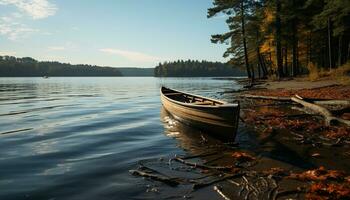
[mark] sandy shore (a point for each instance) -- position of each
(299, 83)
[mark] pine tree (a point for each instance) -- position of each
(236, 10)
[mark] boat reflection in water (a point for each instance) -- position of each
(190, 139)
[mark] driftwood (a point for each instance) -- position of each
(200, 155)
(205, 184)
(316, 107)
(196, 165)
(329, 118)
(250, 96)
(333, 102)
(161, 178)
(219, 191)
(288, 192)
(301, 109)
(316, 101)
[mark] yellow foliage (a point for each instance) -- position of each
(269, 17)
(342, 74)
(314, 73)
(268, 47)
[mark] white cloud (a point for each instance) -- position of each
(12, 26)
(13, 30)
(7, 53)
(37, 9)
(69, 46)
(132, 55)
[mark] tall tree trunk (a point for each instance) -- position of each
(348, 54)
(270, 63)
(285, 53)
(308, 56)
(330, 43)
(259, 63)
(246, 62)
(294, 48)
(297, 56)
(271, 72)
(263, 65)
(340, 50)
(278, 39)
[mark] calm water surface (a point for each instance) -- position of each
(76, 138)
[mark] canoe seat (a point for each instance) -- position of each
(202, 103)
(173, 93)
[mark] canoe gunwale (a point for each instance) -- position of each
(222, 104)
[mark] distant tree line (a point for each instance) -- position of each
(192, 68)
(28, 67)
(134, 71)
(281, 38)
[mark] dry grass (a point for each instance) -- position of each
(341, 74)
(314, 73)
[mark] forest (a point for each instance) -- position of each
(192, 68)
(136, 71)
(28, 67)
(274, 38)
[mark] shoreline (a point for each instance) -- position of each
(267, 161)
(326, 144)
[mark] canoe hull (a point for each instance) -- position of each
(219, 121)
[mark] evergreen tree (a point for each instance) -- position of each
(237, 11)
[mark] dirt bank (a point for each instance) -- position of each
(277, 114)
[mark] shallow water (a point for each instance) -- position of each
(76, 138)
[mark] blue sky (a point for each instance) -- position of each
(118, 33)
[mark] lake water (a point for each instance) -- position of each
(76, 138)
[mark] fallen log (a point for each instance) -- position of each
(329, 118)
(316, 101)
(333, 102)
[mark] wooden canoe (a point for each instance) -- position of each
(215, 117)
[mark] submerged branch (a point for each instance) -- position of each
(204, 184)
(201, 166)
(161, 178)
(219, 191)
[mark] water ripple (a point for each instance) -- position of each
(76, 138)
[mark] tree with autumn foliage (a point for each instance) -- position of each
(281, 38)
